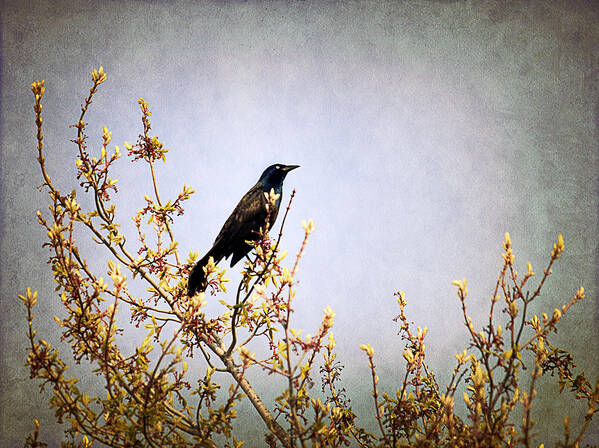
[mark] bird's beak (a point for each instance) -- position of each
(290, 167)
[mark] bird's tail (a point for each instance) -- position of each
(197, 279)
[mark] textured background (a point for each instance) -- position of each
(425, 130)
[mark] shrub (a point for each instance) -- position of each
(153, 399)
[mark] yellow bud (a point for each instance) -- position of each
(308, 226)
(513, 309)
(331, 344)
(447, 401)
(328, 312)
(557, 314)
(272, 197)
(507, 243)
(461, 357)
(558, 247)
(287, 278)
(199, 300)
(478, 377)
(368, 349)
(408, 356)
(467, 399)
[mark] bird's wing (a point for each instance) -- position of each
(244, 223)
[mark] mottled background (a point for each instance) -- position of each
(424, 131)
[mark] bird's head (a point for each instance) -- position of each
(275, 174)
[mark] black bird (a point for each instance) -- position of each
(243, 225)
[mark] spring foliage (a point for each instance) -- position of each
(153, 399)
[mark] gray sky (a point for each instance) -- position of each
(424, 131)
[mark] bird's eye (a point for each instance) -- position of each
(278, 167)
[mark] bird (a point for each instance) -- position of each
(244, 224)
